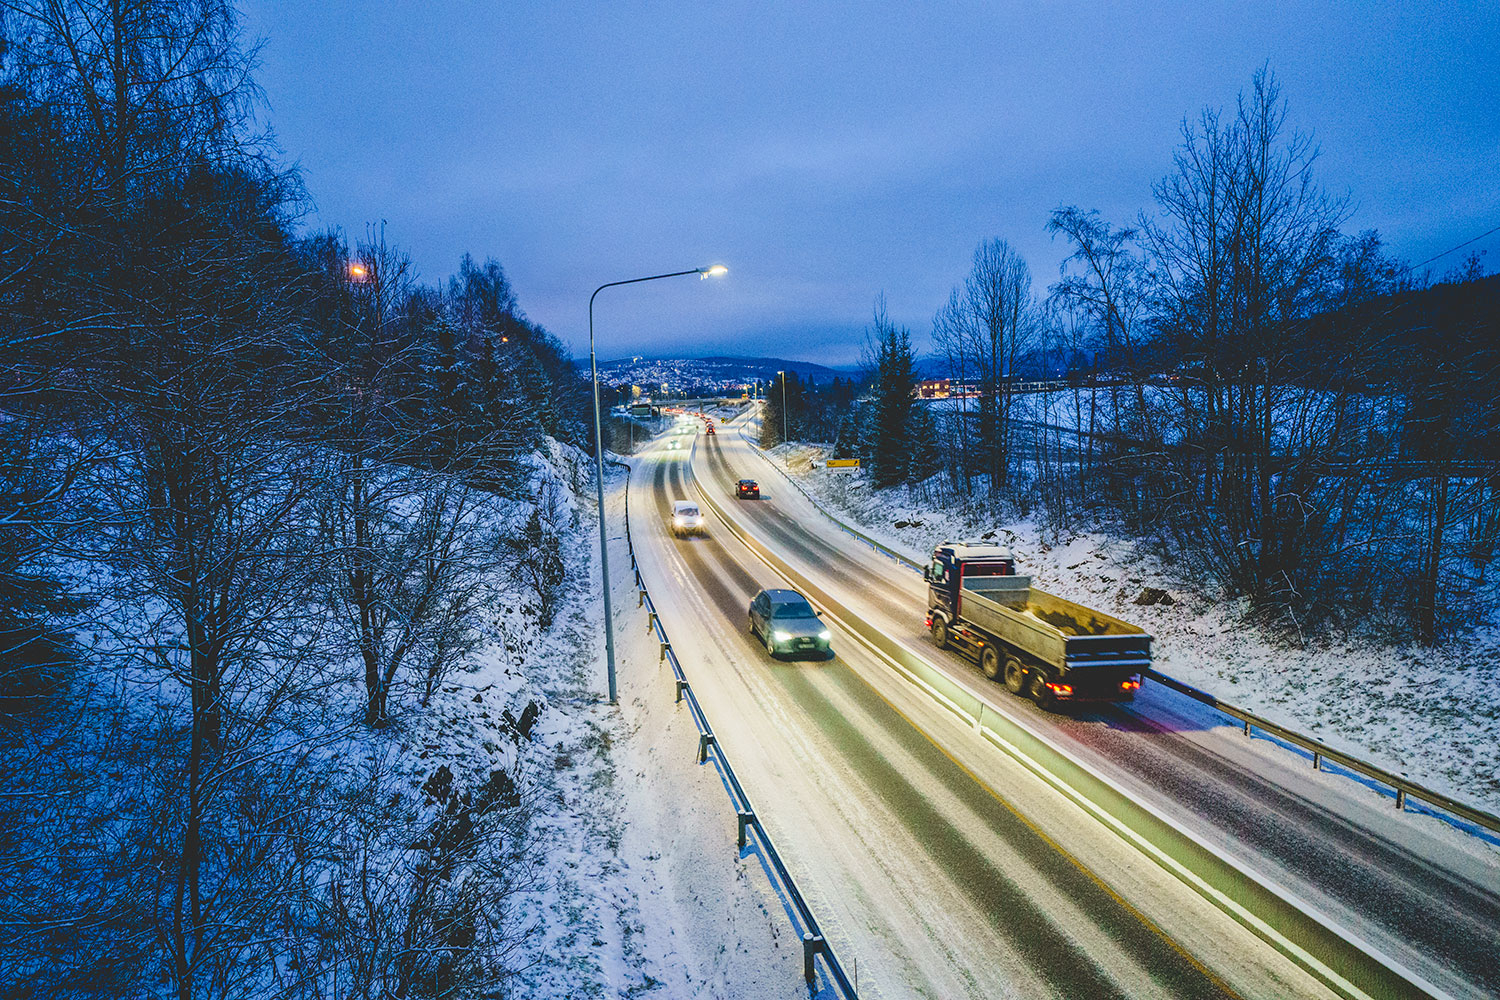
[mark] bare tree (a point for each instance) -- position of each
(435, 914)
(408, 553)
(988, 322)
(148, 85)
(1241, 261)
(536, 549)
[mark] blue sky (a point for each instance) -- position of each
(829, 152)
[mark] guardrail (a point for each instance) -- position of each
(813, 941)
(1315, 942)
(1404, 788)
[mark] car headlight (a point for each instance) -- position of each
(825, 635)
(782, 636)
(677, 521)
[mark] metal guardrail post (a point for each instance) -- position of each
(746, 817)
(650, 620)
(811, 945)
(704, 739)
(662, 656)
(680, 685)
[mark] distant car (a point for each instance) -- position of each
(687, 519)
(787, 624)
(709, 429)
(747, 488)
(673, 444)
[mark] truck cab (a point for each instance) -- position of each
(951, 563)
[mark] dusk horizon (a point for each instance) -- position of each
(828, 160)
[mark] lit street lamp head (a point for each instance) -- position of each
(716, 271)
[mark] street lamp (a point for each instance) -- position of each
(714, 271)
(784, 432)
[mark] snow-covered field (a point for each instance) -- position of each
(1432, 714)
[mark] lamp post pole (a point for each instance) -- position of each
(783, 406)
(609, 621)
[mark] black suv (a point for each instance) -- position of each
(747, 488)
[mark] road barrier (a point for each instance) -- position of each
(1404, 788)
(814, 943)
(1315, 942)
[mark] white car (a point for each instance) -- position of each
(687, 519)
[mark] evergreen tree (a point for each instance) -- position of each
(777, 423)
(894, 366)
(846, 443)
(926, 446)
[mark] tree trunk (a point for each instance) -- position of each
(1428, 584)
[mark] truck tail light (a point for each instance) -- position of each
(929, 621)
(1133, 684)
(1063, 689)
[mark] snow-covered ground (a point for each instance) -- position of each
(607, 855)
(646, 894)
(1432, 714)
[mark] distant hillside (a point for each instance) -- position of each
(711, 374)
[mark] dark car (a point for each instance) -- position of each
(747, 488)
(709, 429)
(787, 624)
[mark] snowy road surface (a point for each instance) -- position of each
(1427, 895)
(938, 865)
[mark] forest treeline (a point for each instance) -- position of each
(1296, 414)
(245, 470)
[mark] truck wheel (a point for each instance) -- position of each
(940, 633)
(1015, 675)
(1040, 694)
(989, 662)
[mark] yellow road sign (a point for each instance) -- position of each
(842, 463)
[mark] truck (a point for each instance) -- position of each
(1041, 646)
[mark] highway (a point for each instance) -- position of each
(1429, 897)
(938, 866)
